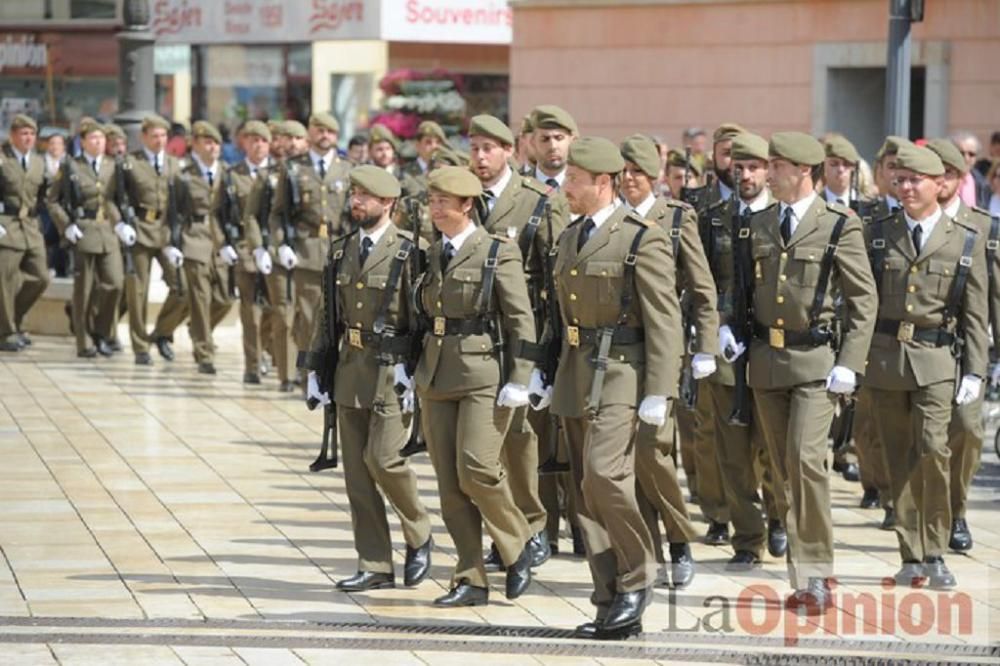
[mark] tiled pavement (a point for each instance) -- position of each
(152, 515)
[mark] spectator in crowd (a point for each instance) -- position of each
(974, 190)
(177, 143)
(984, 164)
(357, 149)
(993, 175)
(55, 155)
(696, 139)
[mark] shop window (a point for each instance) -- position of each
(350, 99)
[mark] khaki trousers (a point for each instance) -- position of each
(659, 488)
(208, 303)
(174, 309)
(868, 446)
(699, 426)
(520, 459)
(965, 441)
(97, 287)
(282, 320)
(24, 276)
(250, 319)
(556, 491)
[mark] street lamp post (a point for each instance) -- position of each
(902, 13)
(136, 96)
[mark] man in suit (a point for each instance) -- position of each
(804, 255)
(24, 274)
(370, 270)
(620, 360)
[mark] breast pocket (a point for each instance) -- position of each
(894, 275)
(604, 280)
(765, 257)
(940, 275)
(469, 282)
(804, 265)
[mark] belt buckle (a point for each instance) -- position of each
(573, 336)
(151, 215)
(905, 332)
(439, 325)
(99, 218)
(354, 338)
(776, 337)
(323, 231)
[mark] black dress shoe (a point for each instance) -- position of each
(364, 581)
(10, 346)
(464, 594)
(206, 369)
(418, 564)
(115, 345)
(143, 358)
(849, 471)
(251, 378)
(889, 520)
(681, 565)
(492, 561)
(911, 574)
(519, 574)
(777, 538)
(23, 339)
(163, 346)
(579, 548)
(103, 348)
(539, 546)
(286, 387)
(961, 537)
(815, 599)
(587, 630)
(870, 499)
(938, 575)
(717, 534)
(89, 352)
(743, 560)
(626, 610)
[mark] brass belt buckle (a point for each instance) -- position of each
(573, 336)
(23, 213)
(151, 215)
(776, 337)
(354, 338)
(439, 325)
(905, 332)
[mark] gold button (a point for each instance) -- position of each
(576, 320)
(360, 305)
(913, 269)
(439, 304)
(912, 288)
(779, 322)
(483, 347)
(782, 277)
(784, 255)
(572, 297)
(439, 342)
(574, 272)
(604, 272)
(909, 307)
(360, 285)
(812, 256)
(780, 299)
(622, 357)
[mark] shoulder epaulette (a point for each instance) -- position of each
(499, 238)
(404, 233)
(535, 186)
(632, 217)
(981, 211)
(837, 208)
(677, 203)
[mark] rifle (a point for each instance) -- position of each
(696, 196)
(292, 201)
(416, 443)
(72, 200)
(229, 218)
(124, 204)
(742, 307)
(176, 232)
(264, 220)
(326, 361)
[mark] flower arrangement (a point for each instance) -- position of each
(412, 96)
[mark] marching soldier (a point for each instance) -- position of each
(371, 270)
(24, 274)
(681, 175)
(554, 131)
(429, 138)
(524, 153)
(803, 254)
(659, 489)
(81, 202)
(620, 359)
(475, 297)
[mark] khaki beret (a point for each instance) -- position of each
(949, 153)
(153, 121)
(838, 146)
(203, 128)
(550, 116)
(444, 156)
(919, 159)
(378, 181)
(491, 127)
(274, 126)
(796, 147)
(596, 155)
(21, 120)
(91, 125)
(431, 128)
(891, 146)
(380, 133)
(726, 132)
(326, 120)
(292, 128)
(114, 131)
(456, 181)
(749, 146)
(257, 128)
(527, 127)
(676, 158)
(641, 150)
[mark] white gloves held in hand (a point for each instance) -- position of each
(539, 395)
(653, 410)
(262, 259)
(703, 365)
(513, 395)
(286, 256)
(401, 379)
(228, 255)
(3, 232)
(73, 234)
(174, 256)
(968, 389)
(729, 347)
(125, 233)
(312, 390)
(841, 380)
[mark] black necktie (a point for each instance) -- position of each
(446, 256)
(841, 201)
(321, 165)
(553, 183)
(585, 232)
(211, 180)
(918, 238)
(94, 165)
(156, 164)
(366, 249)
(786, 225)
(24, 162)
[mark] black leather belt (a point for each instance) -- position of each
(576, 336)
(441, 326)
(905, 331)
(779, 338)
(385, 343)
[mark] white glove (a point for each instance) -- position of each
(73, 234)
(703, 365)
(729, 347)
(312, 390)
(538, 389)
(968, 389)
(286, 256)
(403, 384)
(995, 375)
(653, 410)
(174, 256)
(3, 232)
(513, 395)
(262, 258)
(841, 380)
(126, 234)
(228, 255)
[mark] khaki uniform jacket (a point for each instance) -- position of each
(243, 184)
(589, 286)
(320, 213)
(915, 289)
(19, 190)
(202, 232)
(785, 278)
(98, 192)
(266, 178)
(983, 218)
(455, 363)
(148, 193)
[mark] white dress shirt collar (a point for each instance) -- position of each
(458, 240)
(205, 169)
(544, 178)
(156, 158)
(424, 166)
(644, 206)
(325, 159)
(90, 160)
(601, 216)
(928, 223)
(994, 206)
(799, 209)
(375, 235)
(755, 206)
(725, 192)
(497, 189)
(832, 197)
(951, 210)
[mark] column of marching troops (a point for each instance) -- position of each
(560, 311)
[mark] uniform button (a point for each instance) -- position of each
(780, 299)
(439, 304)
(576, 320)
(779, 322)
(574, 272)
(912, 288)
(440, 341)
(572, 297)
(360, 305)
(909, 307)
(913, 269)
(483, 347)
(782, 277)
(604, 272)
(621, 358)
(360, 285)
(784, 255)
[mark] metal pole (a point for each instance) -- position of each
(897, 70)
(136, 92)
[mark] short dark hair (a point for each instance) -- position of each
(995, 138)
(357, 140)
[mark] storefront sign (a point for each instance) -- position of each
(447, 21)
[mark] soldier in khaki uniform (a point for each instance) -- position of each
(514, 207)
(308, 202)
(659, 488)
(933, 287)
(371, 273)
(88, 225)
(475, 298)
(620, 359)
(965, 431)
(796, 365)
(429, 138)
(149, 173)
(24, 274)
